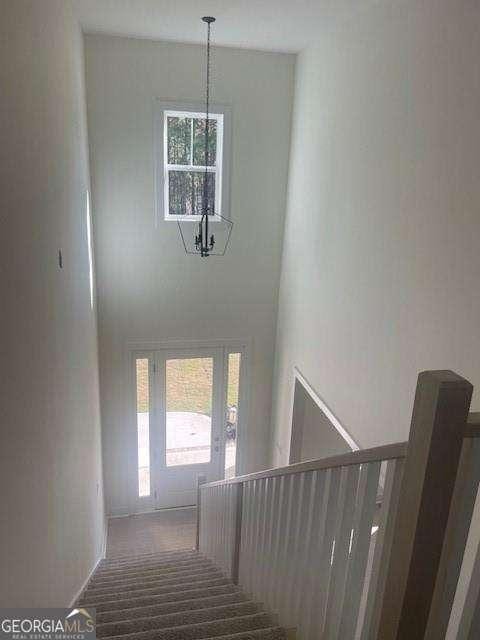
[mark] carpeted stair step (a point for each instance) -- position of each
(177, 595)
(171, 597)
(156, 566)
(146, 563)
(172, 583)
(93, 600)
(130, 590)
(177, 619)
(135, 613)
(211, 629)
(148, 577)
(272, 633)
(125, 561)
(176, 556)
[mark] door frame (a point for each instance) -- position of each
(135, 349)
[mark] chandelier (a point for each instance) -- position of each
(211, 235)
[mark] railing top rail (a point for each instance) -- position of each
(363, 456)
(473, 425)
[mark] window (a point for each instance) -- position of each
(233, 392)
(183, 167)
(143, 426)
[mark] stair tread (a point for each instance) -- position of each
(146, 556)
(170, 607)
(153, 566)
(156, 590)
(195, 631)
(145, 579)
(270, 633)
(167, 582)
(178, 618)
(147, 560)
(170, 597)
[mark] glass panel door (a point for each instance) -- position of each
(187, 428)
(188, 417)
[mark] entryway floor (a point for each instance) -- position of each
(165, 530)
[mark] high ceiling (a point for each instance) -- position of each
(273, 25)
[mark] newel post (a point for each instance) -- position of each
(237, 532)
(200, 480)
(439, 417)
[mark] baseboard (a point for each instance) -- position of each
(105, 536)
(103, 554)
(79, 592)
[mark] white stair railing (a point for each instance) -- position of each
(350, 547)
(455, 613)
(305, 538)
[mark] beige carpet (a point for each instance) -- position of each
(174, 595)
(166, 530)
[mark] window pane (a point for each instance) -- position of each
(179, 140)
(199, 126)
(189, 410)
(233, 386)
(185, 192)
(143, 427)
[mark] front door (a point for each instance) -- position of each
(188, 431)
(187, 418)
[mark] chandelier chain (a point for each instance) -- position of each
(207, 123)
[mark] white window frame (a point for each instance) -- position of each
(222, 115)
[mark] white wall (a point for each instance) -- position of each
(148, 288)
(314, 431)
(52, 521)
(315, 436)
(381, 258)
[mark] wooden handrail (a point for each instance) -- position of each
(439, 419)
(363, 456)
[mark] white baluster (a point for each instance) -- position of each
(317, 511)
(343, 538)
(369, 616)
(323, 556)
(362, 534)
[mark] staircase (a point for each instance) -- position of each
(175, 595)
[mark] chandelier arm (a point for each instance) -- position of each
(228, 238)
